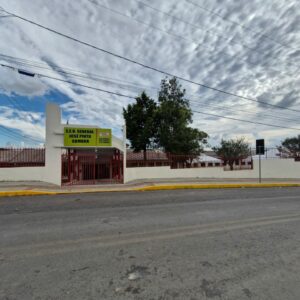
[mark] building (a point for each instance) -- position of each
(84, 154)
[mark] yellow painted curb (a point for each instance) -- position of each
(25, 193)
(43, 193)
(216, 186)
(151, 188)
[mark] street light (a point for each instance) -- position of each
(26, 73)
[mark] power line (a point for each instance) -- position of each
(75, 73)
(16, 104)
(209, 31)
(61, 70)
(4, 133)
(180, 36)
(74, 83)
(20, 107)
(234, 110)
(24, 136)
(246, 121)
(133, 97)
(214, 13)
(15, 135)
(72, 72)
(149, 67)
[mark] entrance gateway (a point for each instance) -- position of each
(99, 164)
(85, 154)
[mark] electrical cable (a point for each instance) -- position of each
(148, 66)
(98, 78)
(15, 135)
(230, 110)
(61, 70)
(265, 36)
(246, 121)
(209, 31)
(133, 97)
(231, 41)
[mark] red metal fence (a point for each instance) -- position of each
(22, 157)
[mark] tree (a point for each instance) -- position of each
(175, 116)
(141, 123)
(232, 150)
(290, 147)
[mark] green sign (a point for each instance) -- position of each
(87, 137)
(104, 137)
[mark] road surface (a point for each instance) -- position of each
(184, 244)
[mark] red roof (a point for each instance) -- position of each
(151, 155)
(22, 155)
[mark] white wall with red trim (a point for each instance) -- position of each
(271, 169)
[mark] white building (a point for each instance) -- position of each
(86, 154)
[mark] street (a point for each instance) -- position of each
(181, 244)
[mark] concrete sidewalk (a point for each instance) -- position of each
(42, 188)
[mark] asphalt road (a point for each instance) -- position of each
(186, 244)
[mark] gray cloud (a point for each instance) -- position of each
(289, 99)
(13, 83)
(221, 62)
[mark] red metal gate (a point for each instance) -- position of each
(93, 167)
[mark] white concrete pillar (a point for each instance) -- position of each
(54, 139)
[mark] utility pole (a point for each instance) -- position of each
(259, 165)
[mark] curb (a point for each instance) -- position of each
(216, 186)
(43, 193)
(25, 193)
(152, 188)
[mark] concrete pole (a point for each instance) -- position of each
(53, 141)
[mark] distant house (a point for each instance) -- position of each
(155, 158)
(158, 158)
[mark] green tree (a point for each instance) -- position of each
(141, 123)
(290, 147)
(175, 116)
(231, 150)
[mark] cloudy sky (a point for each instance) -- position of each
(254, 53)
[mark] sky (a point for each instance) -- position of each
(249, 48)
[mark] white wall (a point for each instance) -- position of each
(22, 174)
(52, 171)
(54, 144)
(273, 168)
(276, 168)
(280, 168)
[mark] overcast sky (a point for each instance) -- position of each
(260, 60)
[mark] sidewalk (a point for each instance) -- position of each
(41, 188)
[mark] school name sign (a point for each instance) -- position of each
(87, 137)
